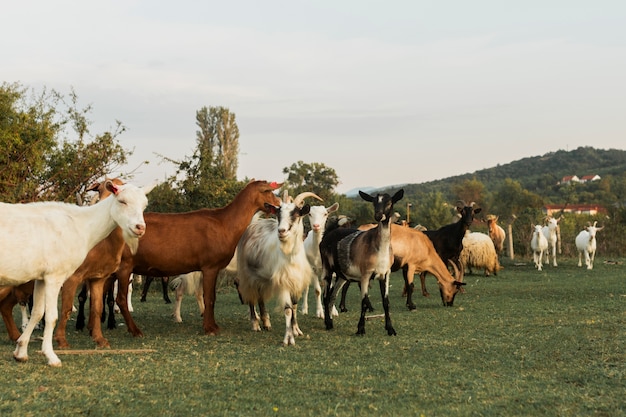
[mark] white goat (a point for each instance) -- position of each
(479, 251)
(538, 244)
(586, 244)
(190, 283)
(271, 262)
(317, 216)
(48, 241)
(550, 231)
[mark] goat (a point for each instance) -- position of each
(550, 231)
(201, 240)
(48, 241)
(360, 256)
(538, 244)
(479, 252)
(190, 283)
(448, 240)
(496, 233)
(586, 244)
(271, 262)
(318, 216)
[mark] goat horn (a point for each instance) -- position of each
(461, 202)
(286, 198)
(472, 204)
(457, 274)
(299, 200)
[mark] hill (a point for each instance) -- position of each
(539, 174)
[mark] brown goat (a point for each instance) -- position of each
(496, 233)
(202, 240)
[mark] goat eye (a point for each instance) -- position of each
(123, 202)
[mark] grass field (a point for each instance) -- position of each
(524, 343)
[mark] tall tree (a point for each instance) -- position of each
(315, 177)
(218, 142)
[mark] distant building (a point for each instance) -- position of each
(590, 209)
(570, 178)
(589, 178)
(573, 178)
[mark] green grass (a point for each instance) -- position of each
(524, 343)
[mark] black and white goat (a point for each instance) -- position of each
(271, 262)
(360, 256)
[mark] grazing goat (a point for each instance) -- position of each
(448, 240)
(551, 232)
(271, 262)
(538, 244)
(496, 233)
(586, 244)
(190, 283)
(361, 256)
(317, 216)
(47, 241)
(479, 252)
(201, 240)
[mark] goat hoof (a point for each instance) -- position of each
(391, 332)
(411, 307)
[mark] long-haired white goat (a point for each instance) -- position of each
(271, 262)
(586, 244)
(48, 241)
(317, 216)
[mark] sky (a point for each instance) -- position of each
(384, 92)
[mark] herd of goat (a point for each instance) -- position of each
(50, 248)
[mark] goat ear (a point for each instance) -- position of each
(114, 189)
(478, 210)
(270, 209)
(93, 187)
(397, 196)
(459, 284)
(332, 208)
(366, 196)
(305, 210)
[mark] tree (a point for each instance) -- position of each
(49, 151)
(218, 142)
(209, 177)
(432, 211)
(315, 177)
(470, 190)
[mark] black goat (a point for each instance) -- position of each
(360, 256)
(448, 242)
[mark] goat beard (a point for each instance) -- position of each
(132, 242)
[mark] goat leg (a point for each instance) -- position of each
(384, 292)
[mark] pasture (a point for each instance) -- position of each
(522, 343)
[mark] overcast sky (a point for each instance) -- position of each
(385, 92)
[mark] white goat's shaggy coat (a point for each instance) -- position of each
(48, 241)
(538, 244)
(479, 252)
(272, 263)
